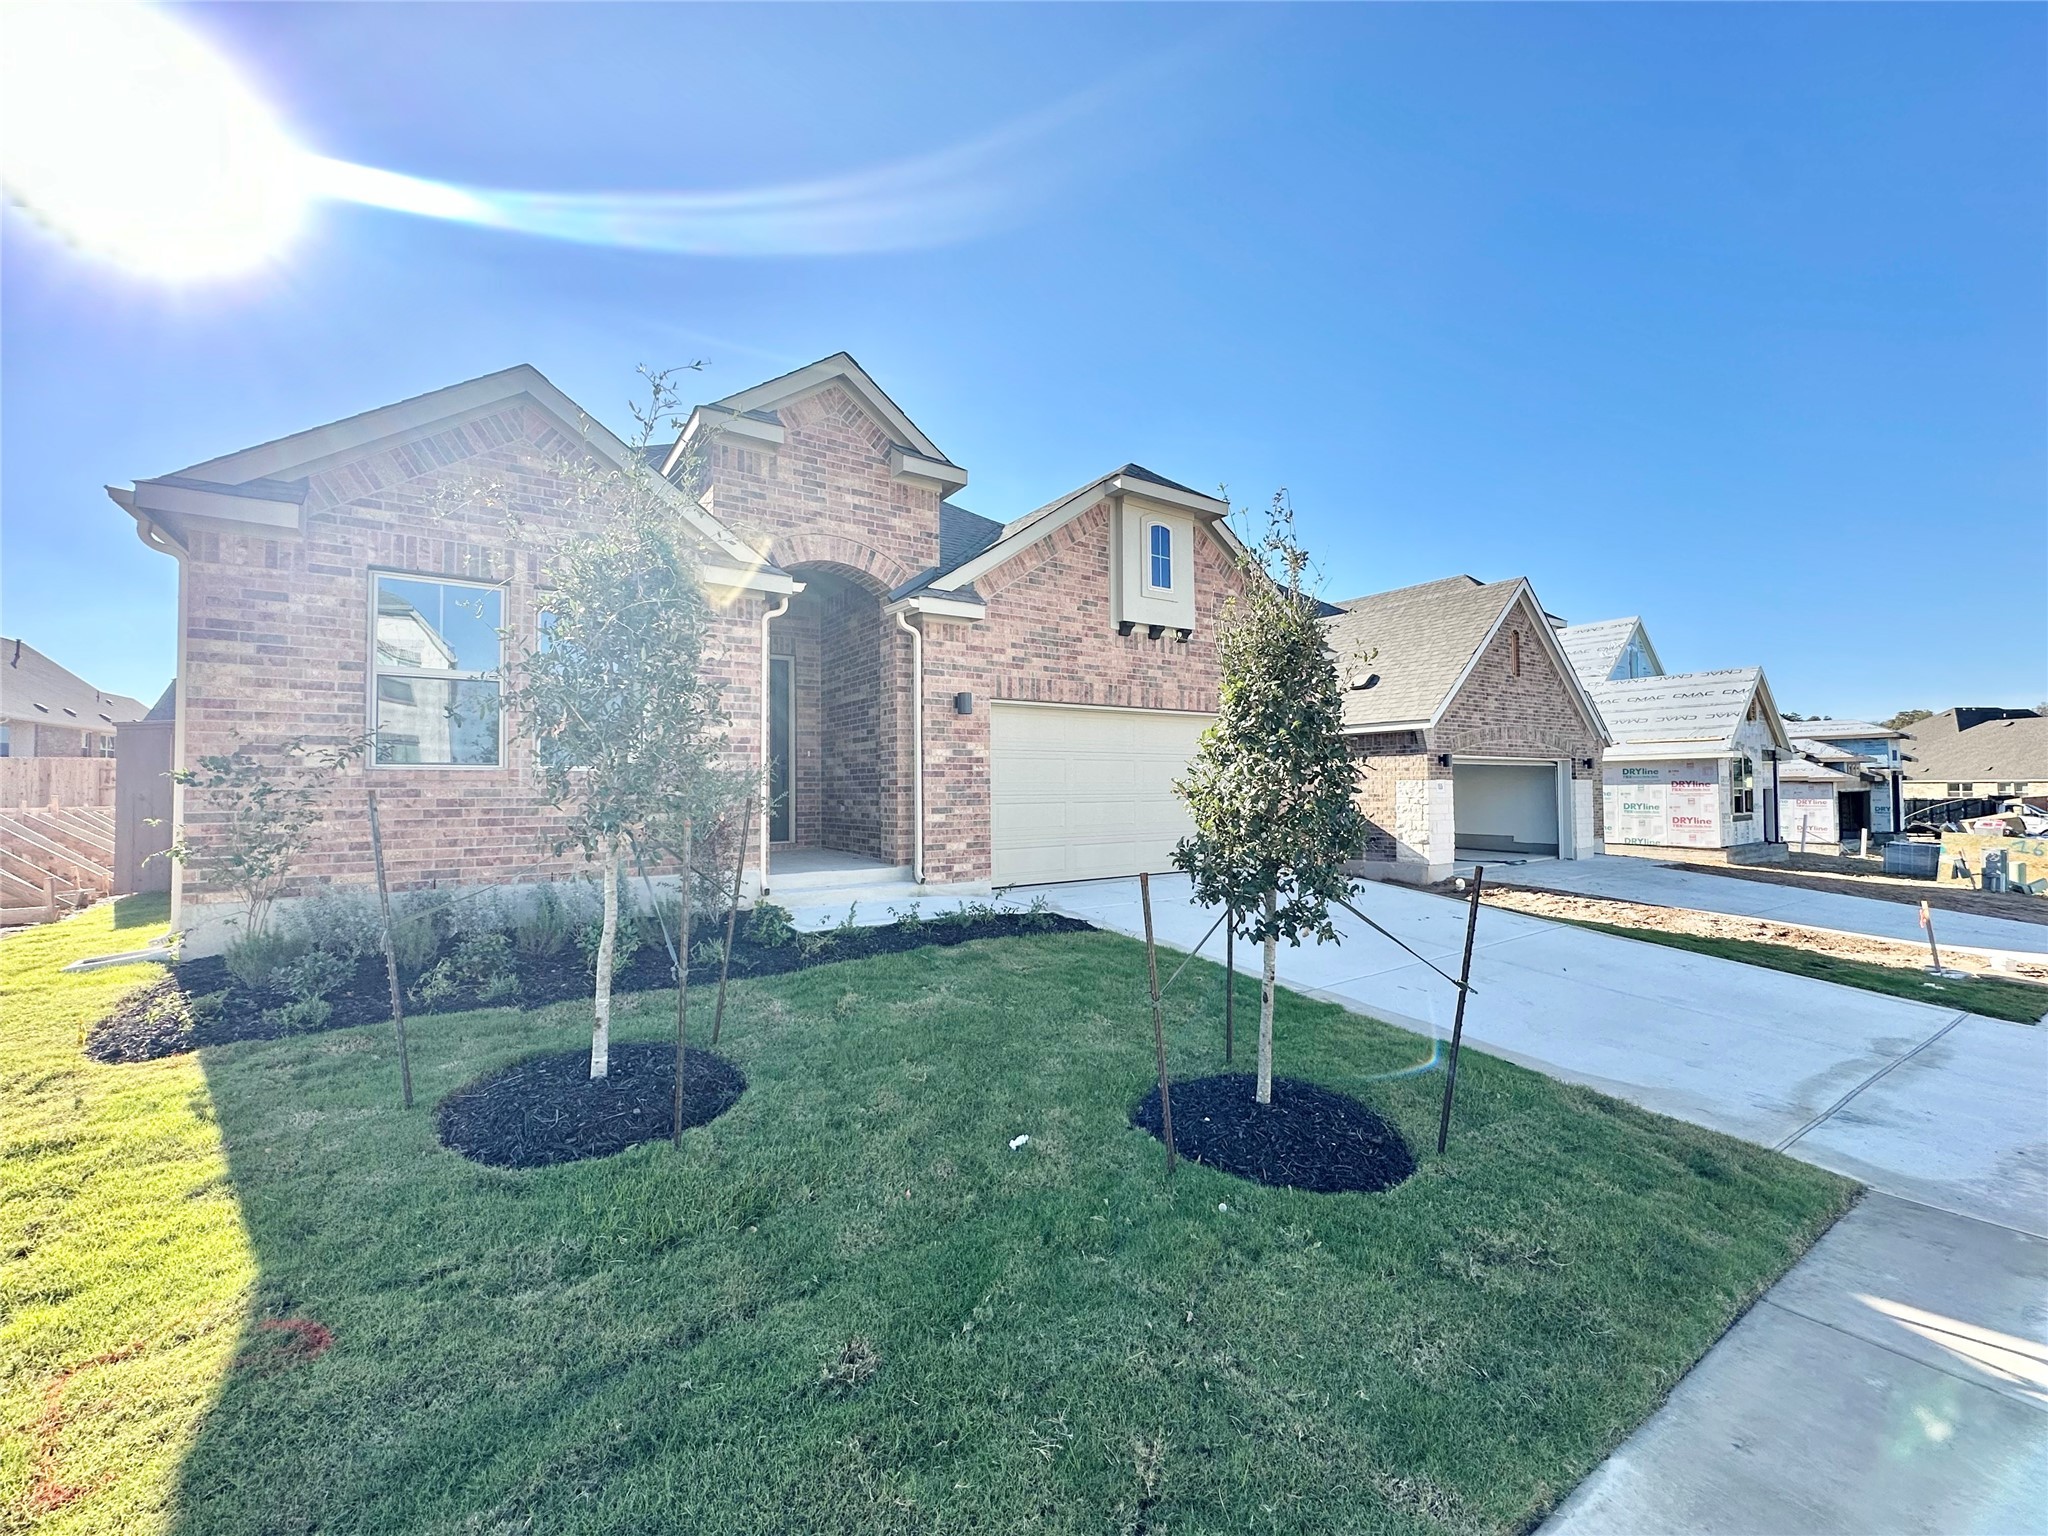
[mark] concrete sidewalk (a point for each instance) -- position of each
(1630, 879)
(1884, 1383)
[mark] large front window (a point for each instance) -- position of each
(436, 672)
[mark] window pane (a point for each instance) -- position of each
(1162, 555)
(437, 625)
(425, 720)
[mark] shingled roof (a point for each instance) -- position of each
(1423, 641)
(35, 688)
(1992, 751)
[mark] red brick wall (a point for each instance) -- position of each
(1384, 759)
(1049, 638)
(829, 480)
(277, 646)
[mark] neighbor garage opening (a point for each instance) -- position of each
(1505, 808)
(1080, 794)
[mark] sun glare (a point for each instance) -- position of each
(128, 136)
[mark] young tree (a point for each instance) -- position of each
(614, 692)
(263, 807)
(1270, 786)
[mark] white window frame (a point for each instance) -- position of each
(1152, 586)
(1741, 772)
(374, 671)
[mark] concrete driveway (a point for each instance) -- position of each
(1631, 879)
(1897, 1378)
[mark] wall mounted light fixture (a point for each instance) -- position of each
(1443, 759)
(963, 703)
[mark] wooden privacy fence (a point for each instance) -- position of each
(35, 783)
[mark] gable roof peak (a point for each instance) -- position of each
(761, 400)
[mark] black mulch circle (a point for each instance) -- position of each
(548, 1109)
(1307, 1138)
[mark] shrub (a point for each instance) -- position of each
(543, 930)
(769, 925)
(909, 918)
(480, 963)
(625, 945)
(342, 921)
(415, 937)
(301, 1016)
(1039, 916)
(312, 975)
(255, 959)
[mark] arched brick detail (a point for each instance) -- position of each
(873, 568)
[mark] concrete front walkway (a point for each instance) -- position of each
(1865, 1393)
(1631, 879)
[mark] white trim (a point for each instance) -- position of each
(1168, 495)
(916, 744)
(1385, 728)
(1027, 530)
(752, 580)
(940, 607)
(915, 467)
(154, 496)
(768, 615)
(1561, 782)
(1114, 709)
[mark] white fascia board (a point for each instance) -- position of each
(163, 540)
(1166, 495)
(750, 579)
(708, 420)
(1779, 735)
(904, 465)
(1384, 727)
(1669, 751)
(157, 499)
(940, 607)
(1548, 639)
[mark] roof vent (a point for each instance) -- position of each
(1363, 680)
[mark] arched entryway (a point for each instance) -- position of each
(838, 722)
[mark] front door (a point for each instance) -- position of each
(781, 740)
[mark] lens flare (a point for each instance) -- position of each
(135, 141)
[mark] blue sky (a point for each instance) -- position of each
(1734, 317)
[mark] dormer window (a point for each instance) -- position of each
(1159, 543)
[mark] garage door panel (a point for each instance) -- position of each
(1506, 807)
(1080, 794)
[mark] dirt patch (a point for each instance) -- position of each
(283, 1342)
(548, 1109)
(1853, 877)
(199, 1003)
(47, 1492)
(1902, 953)
(1308, 1138)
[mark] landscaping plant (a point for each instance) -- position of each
(1270, 784)
(615, 693)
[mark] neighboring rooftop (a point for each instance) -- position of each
(1821, 751)
(2006, 747)
(1845, 730)
(1421, 641)
(1681, 710)
(1595, 649)
(35, 688)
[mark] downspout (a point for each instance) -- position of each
(916, 745)
(767, 615)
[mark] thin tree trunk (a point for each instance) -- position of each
(1266, 1008)
(601, 1033)
(682, 994)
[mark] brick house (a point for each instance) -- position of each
(928, 693)
(1473, 736)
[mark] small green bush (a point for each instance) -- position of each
(769, 925)
(255, 959)
(415, 935)
(344, 921)
(481, 963)
(301, 1016)
(312, 975)
(543, 930)
(625, 944)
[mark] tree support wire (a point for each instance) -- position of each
(1462, 986)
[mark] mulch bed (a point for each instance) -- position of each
(199, 1003)
(548, 1109)
(1308, 1138)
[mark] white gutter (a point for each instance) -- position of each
(916, 744)
(766, 725)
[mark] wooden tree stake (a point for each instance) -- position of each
(390, 952)
(1229, 987)
(1443, 1125)
(732, 918)
(682, 993)
(1158, 1028)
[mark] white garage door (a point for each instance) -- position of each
(1077, 794)
(1505, 807)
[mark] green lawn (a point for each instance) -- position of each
(2022, 1002)
(1063, 1339)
